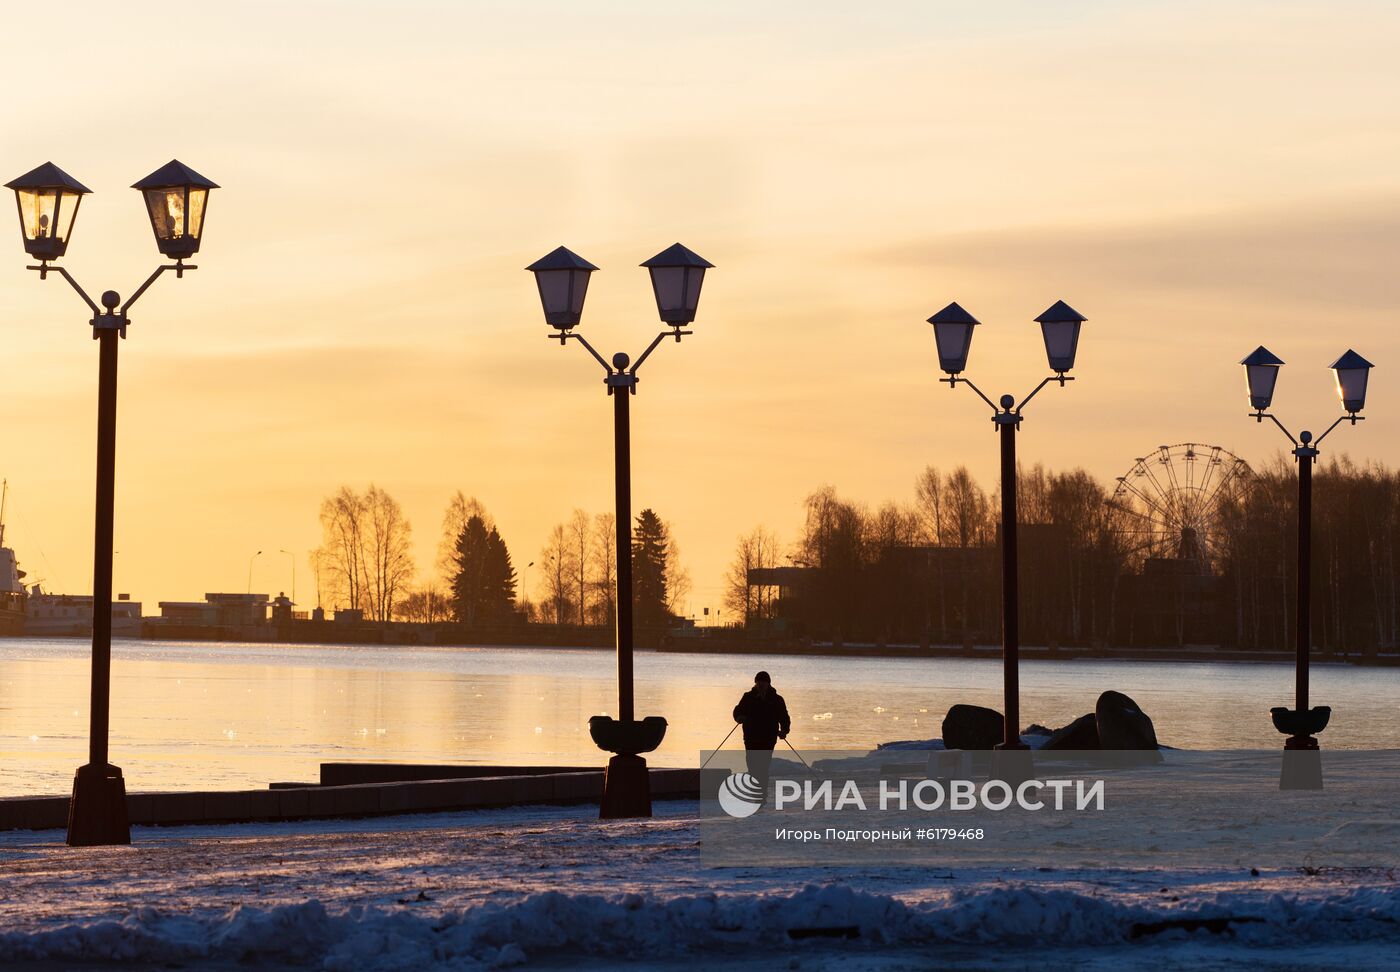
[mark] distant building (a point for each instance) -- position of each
(282, 609)
(218, 610)
(1173, 601)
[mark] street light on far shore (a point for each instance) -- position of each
(953, 329)
(1302, 759)
(250, 570)
(562, 278)
(292, 557)
(47, 198)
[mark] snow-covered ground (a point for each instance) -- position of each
(553, 887)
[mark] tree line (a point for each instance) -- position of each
(921, 570)
(365, 563)
(928, 570)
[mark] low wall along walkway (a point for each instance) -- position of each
(390, 789)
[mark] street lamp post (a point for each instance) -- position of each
(176, 199)
(953, 328)
(676, 276)
(1302, 766)
(250, 570)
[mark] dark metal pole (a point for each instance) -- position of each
(623, 461)
(1010, 595)
(108, 338)
(1304, 615)
(97, 813)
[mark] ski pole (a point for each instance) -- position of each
(721, 744)
(798, 755)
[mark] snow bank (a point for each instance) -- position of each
(495, 935)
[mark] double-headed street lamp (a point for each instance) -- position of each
(676, 276)
(1302, 759)
(952, 331)
(176, 199)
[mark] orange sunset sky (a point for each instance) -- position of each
(1197, 178)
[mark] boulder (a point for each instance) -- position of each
(1081, 734)
(1122, 725)
(972, 727)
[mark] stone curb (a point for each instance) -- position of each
(356, 800)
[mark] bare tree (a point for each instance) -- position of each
(460, 509)
(930, 498)
(556, 575)
(605, 571)
(428, 604)
(967, 512)
(581, 559)
(677, 577)
(389, 549)
(757, 550)
(341, 555)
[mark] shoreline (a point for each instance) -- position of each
(715, 646)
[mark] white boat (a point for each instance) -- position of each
(12, 593)
(71, 614)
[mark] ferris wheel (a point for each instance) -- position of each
(1169, 503)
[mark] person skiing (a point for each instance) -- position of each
(764, 716)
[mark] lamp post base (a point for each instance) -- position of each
(1302, 764)
(1012, 764)
(626, 789)
(97, 812)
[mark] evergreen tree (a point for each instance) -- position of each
(469, 578)
(500, 578)
(649, 546)
(483, 585)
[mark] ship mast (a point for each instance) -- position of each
(4, 495)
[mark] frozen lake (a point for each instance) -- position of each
(216, 715)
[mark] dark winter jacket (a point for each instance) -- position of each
(763, 718)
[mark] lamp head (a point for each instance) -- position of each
(562, 277)
(952, 333)
(1059, 327)
(1261, 375)
(177, 199)
(1352, 372)
(48, 200)
(676, 276)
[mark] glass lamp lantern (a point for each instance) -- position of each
(1352, 373)
(177, 199)
(676, 276)
(1059, 326)
(48, 200)
(1261, 375)
(952, 332)
(562, 277)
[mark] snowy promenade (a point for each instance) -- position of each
(551, 887)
